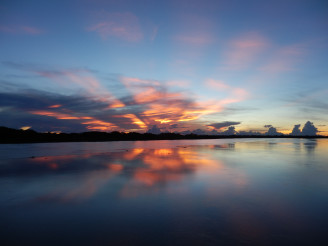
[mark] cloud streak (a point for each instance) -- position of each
(124, 26)
(23, 29)
(223, 124)
(285, 59)
(244, 50)
(137, 103)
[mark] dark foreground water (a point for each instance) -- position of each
(196, 192)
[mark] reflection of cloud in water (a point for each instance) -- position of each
(310, 146)
(254, 193)
(82, 176)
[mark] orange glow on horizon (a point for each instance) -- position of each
(24, 128)
(99, 125)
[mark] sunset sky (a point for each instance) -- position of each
(74, 66)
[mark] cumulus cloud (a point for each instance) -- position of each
(296, 130)
(309, 129)
(154, 130)
(272, 131)
(230, 131)
(223, 124)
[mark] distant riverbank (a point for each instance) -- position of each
(10, 135)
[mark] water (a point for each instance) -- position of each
(194, 192)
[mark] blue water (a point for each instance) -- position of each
(184, 192)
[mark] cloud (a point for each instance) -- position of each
(285, 59)
(296, 130)
(30, 30)
(194, 39)
(223, 124)
(194, 30)
(154, 130)
(81, 98)
(244, 50)
(73, 79)
(235, 94)
(124, 26)
(309, 129)
(272, 131)
(230, 131)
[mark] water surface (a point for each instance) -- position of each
(183, 192)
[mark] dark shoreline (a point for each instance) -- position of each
(11, 136)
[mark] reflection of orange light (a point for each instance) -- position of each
(53, 165)
(194, 158)
(151, 178)
(133, 153)
(163, 151)
(115, 167)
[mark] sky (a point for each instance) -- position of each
(96, 65)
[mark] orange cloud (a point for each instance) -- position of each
(60, 116)
(99, 125)
(135, 120)
(55, 106)
(92, 123)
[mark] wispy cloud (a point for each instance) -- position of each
(223, 124)
(81, 77)
(194, 30)
(30, 30)
(244, 50)
(194, 39)
(124, 26)
(285, 59)
(136, 104)
(234, 94)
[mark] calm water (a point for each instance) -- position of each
(195, 192)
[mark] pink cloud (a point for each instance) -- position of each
(235, 94)
(194, 30)
(21, 30)
(244, 50)
(285, 59)
(154, 34)
(86, 81)
(124, 26)
(179, 83)
(194, 39)
(217, 84)
(31, 30)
